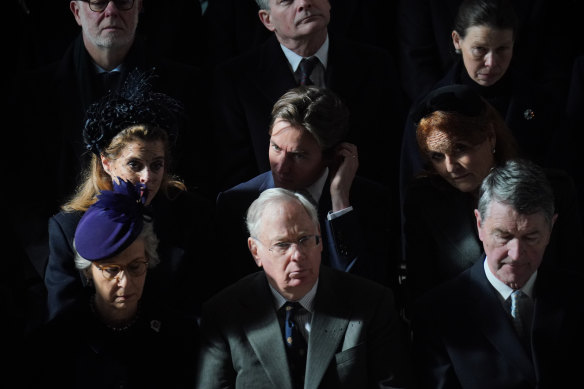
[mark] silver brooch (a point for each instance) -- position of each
(155, 325)
(529, 114)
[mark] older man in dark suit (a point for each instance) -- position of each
(512, 320)
(298, 324)
(307, 153)
(246, 87)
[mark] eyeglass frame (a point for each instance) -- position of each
(122, 268)
(274, 247)
(90, 3)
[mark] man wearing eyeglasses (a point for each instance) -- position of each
(308, 153)
(298, 324)
(51, 103)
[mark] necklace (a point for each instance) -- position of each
(115, 328)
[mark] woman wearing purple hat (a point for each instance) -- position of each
(110, 340)
(130, 134)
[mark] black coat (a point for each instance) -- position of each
(77, 351)
(464, 338)
(528, 108)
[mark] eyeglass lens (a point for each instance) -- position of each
(100, 5)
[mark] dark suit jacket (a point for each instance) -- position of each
(365, 235)
(356, 338)
(463, 336)
(441, 238)
(246, 88)
(180, 225)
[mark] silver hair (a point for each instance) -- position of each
(521, 184)
(273, 196)
(150, 247)
(263, 4)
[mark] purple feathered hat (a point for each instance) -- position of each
(113, 223)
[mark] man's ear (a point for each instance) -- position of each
(266, 19)
(479, 224)
(252, 245)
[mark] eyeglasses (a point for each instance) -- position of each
(135, 269)
(101, 5)
(306, 242)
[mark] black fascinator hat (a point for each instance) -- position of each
(452, 98)
(133, 104)
(112, 223)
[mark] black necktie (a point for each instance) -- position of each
(110, 80)
(306, 67)
(295, 344)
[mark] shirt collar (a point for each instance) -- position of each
(294, 59)
(503, 289)
(307, 301)
(317, 187)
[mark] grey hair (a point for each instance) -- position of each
(263, 4)
(150, 246)
(521, 184)
(271, 196)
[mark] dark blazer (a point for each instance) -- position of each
(528, 108)
(181, 226)
(246, 88)
(364, 235)
(356, 337)
(441, 238)
(463, 336)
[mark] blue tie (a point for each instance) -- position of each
(520, 313)
(295, 344)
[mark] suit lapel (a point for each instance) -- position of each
(491, 318)
(328, 328)
(262, 329)
(273, 74)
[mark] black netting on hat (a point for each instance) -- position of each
(133, 104)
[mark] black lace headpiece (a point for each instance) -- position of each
(451, 98)
(133, 104)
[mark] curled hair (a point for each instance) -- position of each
(318, 110)
(496, 14)
(273, 196)
(95, 178)
(518, 183)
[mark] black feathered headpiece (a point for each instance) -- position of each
(133, 104)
